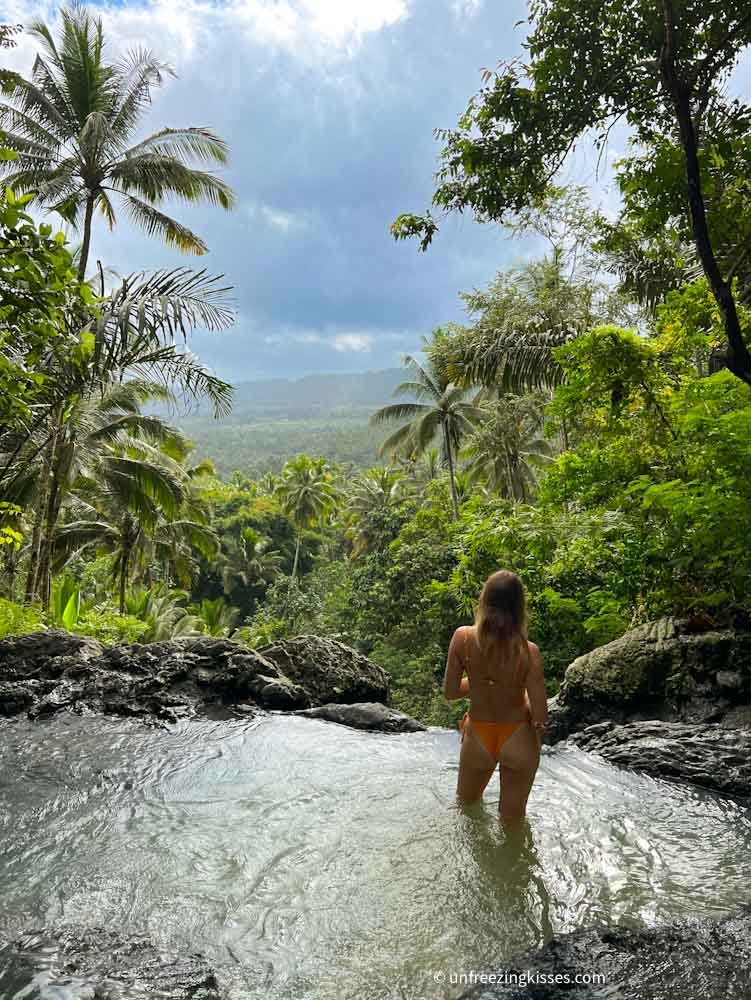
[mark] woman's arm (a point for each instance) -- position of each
(455, 684)
(536, 693)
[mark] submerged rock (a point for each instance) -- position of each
(369, 715)
(676, 670)
(89, 963)
(44, 672)
(702, 754)
(695, 960)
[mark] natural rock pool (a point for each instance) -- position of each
(306, 860)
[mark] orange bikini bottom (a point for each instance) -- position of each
(492, 735)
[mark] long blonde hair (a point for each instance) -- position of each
(501, 619)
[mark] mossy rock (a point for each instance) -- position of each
(628, 670)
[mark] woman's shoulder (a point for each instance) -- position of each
(462, 635)
(535, 656)
(466, 632)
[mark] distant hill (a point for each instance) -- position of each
(274, 419)
(310, 396)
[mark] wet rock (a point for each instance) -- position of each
(46, 672)
(328, 670)
(671, 669)
(695, 960)
(707, 755)
(280, 693)
(84, 963)
(368, 715)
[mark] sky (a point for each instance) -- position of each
(328, 107)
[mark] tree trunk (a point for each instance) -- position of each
(85, 245)
(44, 579)
(297, 555)
(739, 358)
(452, 480)
(124, 575)
(42, 501)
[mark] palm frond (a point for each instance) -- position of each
(185, 144)
(402, 441)
(154, 176)
(139, 71)
(156, 223)
(399, 411)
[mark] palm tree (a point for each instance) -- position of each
(133, 333)
(372, 494)
(307, 492)
(507, 447)
(83, 448)
(441, 409)
(163, 612)
(520, 319)
(132, 508)
(215, 616)
(250, 562)
(71, 126)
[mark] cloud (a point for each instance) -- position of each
(329, 108)
(273, 218)
(360, 342)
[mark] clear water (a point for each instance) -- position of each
(311, 861)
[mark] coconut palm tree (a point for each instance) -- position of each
(94, 422)
(133, 507)
(373, 494)
(307, 492)
(507, 449)
(441, 409)
(134, 333)
(250, 562)
(518, 322)
(72, 124)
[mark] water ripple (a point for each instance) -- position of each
(306, 859)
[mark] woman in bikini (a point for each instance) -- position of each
(494, 664)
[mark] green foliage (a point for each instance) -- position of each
(215, 617)
(16, 619)
(38, 296)
(100, 622)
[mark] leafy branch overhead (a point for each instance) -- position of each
(657, 67)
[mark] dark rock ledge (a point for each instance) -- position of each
(89, 963)
(50, 671)
(671, 698)
(691, 960)
(701, 754)
(694, 960)
(370, 715)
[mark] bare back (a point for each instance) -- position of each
(497, 689)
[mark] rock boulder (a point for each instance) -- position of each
(101, 964)
(703, 754)
(52, 670)
(328, 670)
(695, 960)
(671, 670)
(369, 715)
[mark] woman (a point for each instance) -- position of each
(508, 705)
